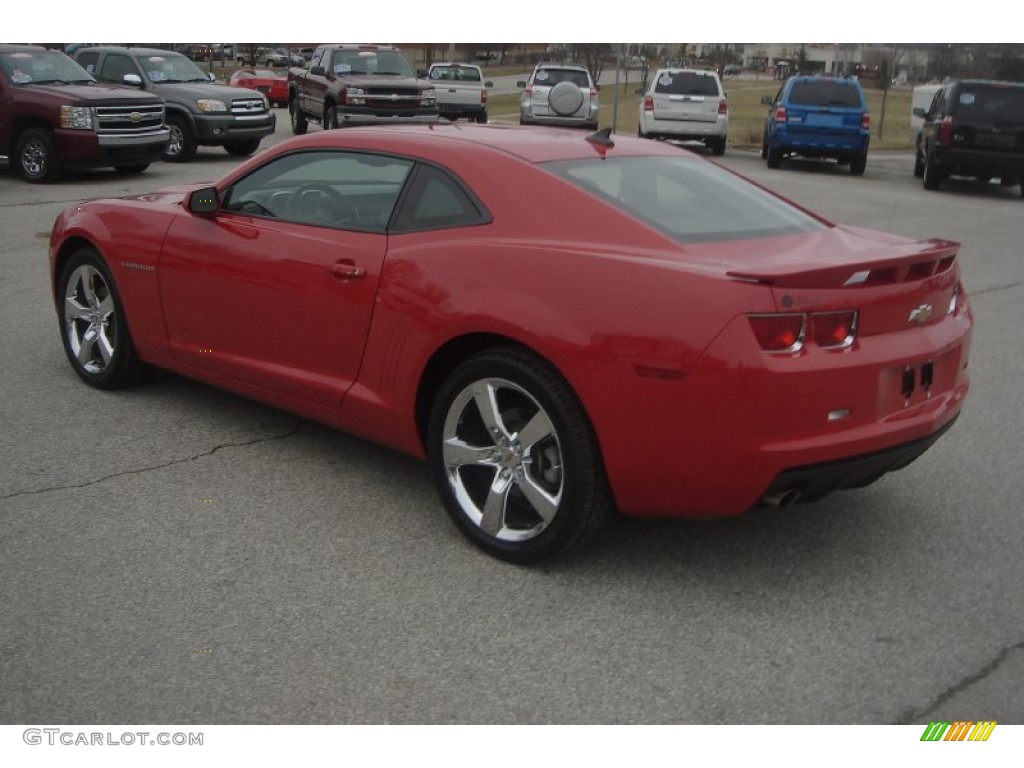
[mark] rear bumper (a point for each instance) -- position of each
(812, 482)
(683, 129)
(821, 143)
(978, 162)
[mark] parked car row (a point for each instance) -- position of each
(118, 107)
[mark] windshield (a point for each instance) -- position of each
(688, 200)
(23, 67)
(370, 63)
(170, 68)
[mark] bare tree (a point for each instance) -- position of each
(592, 56)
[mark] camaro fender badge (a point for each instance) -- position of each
(135, 265)
(920, 314)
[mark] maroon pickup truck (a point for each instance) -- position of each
(53, 116)
(350, 84)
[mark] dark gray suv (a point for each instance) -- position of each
(199, 111)
(972, 128)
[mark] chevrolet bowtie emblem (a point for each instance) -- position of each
(920, 314)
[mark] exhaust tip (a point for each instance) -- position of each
(782, 498)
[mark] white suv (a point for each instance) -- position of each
(686, 104)
(559, 94)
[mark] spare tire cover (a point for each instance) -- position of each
(565, 98)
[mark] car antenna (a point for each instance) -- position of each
(601, 141)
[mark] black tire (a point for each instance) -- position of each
(330, 117)
(717, 146)
(1022, 190)
(298, 118)
(97, 342)
(931, 177)
(918, 163)
(35, 156)
(858, 164)
(481, 118)
(774, 157)
(764, 145)
(242, 148)
(131, 170)
(182, 146)
(560, 468)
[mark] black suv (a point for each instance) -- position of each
(972, 128)
(199, 112)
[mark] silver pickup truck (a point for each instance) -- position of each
(461, 90)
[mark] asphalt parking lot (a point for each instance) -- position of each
(172, 553)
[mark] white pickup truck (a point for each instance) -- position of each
(461, 90)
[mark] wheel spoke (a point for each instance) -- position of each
(106, 306)
(89, 289)
(493, 520)
(106, 348)
(73, 310)
(542, 502)
(538, 428)
(458, 454)
(88, 344)
(485, 396)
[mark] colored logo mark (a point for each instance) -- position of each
(960, 730)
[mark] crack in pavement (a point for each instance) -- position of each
(909, 717)
(282, 436)
(994, 288)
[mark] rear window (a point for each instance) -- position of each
(686, 83)
(457, 73)
(825, 93)
(689, 200)
(555, 76)
(989, 104)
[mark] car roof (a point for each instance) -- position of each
(361, 46)
(18, 48)
(824, 78)
(133, 51)
(454, 64)
(532, 144)
(551, 65)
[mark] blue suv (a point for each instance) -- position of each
(817, 116)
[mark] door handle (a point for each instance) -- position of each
(346, 269)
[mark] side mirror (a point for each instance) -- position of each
(488, 84)
(520, 84)
(422, 73)
(203, 201)
(133, 81)
(920, 112)
(767, 101)
(317, 70)
(210, 76)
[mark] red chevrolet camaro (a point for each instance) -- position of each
(562, 324)
(271, 84)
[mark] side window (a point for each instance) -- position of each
(437, 201)
(938, 103)
(87, 61)
(115, 67)
(342, 190)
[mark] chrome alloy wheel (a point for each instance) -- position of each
(90, 319)
(35, 158)
(503, 460)
(176, 142)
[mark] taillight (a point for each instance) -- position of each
(945, 134)
(593, 93)
(834, 329)
(780, 114)
(648, 103)
(723, 107)
(865, 122)
(779, 333)
(954, 300)
(483, 96)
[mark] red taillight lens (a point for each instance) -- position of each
(834, 329)
(780, 114)
(648, 103)
(723, 107)
(778, 333)
(945, 134)
(483, 96)
(865, 122)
